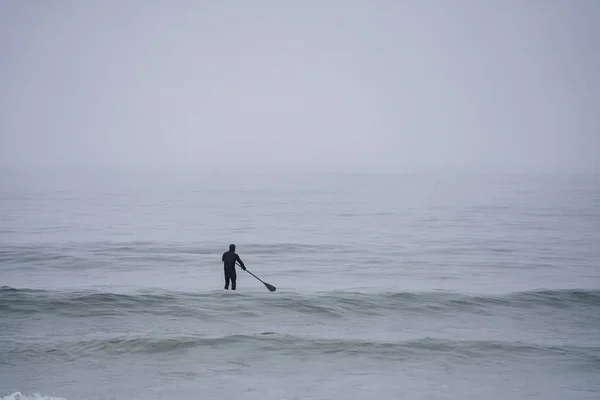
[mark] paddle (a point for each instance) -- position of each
(270, 287)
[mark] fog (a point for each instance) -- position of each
(392, 85)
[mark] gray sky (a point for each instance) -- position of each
(404, 84)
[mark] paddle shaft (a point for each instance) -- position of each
(254, 275)
(251, 273)
(270, 287)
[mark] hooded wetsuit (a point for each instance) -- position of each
(229, 258)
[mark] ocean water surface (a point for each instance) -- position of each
(389, 286)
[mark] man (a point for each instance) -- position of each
(229, 258)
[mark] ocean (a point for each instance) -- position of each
(437, 285)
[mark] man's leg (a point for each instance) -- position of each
(233, 279)
(226, 280)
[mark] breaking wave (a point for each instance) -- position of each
(331, 304)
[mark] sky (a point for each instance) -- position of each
(396, 85)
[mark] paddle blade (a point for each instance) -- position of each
(270, 287)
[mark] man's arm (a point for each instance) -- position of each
(240, 261)
(223, 257)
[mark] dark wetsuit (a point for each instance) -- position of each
(229, 258)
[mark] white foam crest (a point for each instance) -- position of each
(33, 396)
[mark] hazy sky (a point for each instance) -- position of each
(404, 84)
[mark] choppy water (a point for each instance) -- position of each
(388, 286)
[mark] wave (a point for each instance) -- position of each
(300, 346)
(54, 252)
(89, 303)
(330, 304)
(33, 396)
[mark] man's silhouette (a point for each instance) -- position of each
(229, 258)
